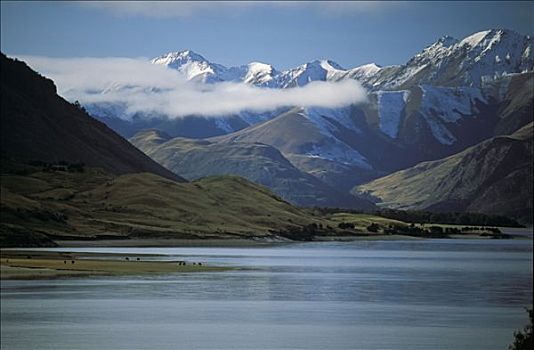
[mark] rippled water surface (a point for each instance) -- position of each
(417, 294)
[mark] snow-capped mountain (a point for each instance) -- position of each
(195, 67)
(450, 96)
(473, 61)
(323, 70)
(361, 73)
(261, 74)
(445, 84)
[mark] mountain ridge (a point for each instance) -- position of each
(509, 50)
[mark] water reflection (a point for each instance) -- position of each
(429, 294)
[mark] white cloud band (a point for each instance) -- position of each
(153, 89)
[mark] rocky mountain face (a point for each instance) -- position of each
(492, 177)
(472, 62)
(452, 95)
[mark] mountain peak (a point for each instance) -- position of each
(369, 67)
(259, 66)
(179, 57)
(447, 41)
(487, 37)
(324, 64)
(474, 39)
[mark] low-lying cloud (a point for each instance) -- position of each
(141, 87)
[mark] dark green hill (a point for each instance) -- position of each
(37, 124)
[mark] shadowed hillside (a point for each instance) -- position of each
(493, 177)
(37, 124)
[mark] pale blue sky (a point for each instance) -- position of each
(280, 33)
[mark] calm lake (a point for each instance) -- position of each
(413, 294)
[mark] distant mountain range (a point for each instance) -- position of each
(66, 176)
(452, 95)
(471, 61)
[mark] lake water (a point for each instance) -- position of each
(414, 294)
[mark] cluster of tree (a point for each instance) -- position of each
(428, 217)
(373, 227)
(523, 339)
(419, 231)
(59, 166)
(301, 233)
(478, 219)
(346, 225)
(474, 228)
(78, 105)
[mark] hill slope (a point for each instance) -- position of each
(96, 205)
(256, 162)
(37, 124)
(119, 192)
(493, 177)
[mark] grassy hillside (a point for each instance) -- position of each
(493, 177)
(260, 163)
(40, 205)
(297, 136)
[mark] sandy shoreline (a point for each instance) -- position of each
(30, 264)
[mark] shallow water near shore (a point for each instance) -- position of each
(416, 294)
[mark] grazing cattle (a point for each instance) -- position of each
(200, 264)
(138, 259)
(127, 259)
(64, 261)
(72, 262)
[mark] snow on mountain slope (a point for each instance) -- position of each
(497, 52)
(324, 70)
(333, 148)
(480, 57)
(450, 104)
(477, 58)
(441, 106)
(260, 74)
(192, 65)
(305, 132)
(337, 151)
(323, 118)
(390, 110)
(432, 105)
(361, 73)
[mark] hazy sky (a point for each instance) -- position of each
(284, 34)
